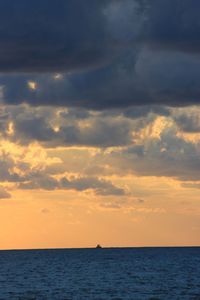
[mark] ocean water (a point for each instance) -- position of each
(100, 274)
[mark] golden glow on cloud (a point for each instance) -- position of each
(154, 129)
(32, 85)
(10, 130)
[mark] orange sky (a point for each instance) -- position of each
(41, 219)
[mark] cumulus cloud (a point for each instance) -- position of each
(64, 127)
(188, 121)
(144, 143)
(7, 172)
(23, 173)
(165, 156)
(158, 149)
(97, 133)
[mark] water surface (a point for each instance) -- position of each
(100, 274)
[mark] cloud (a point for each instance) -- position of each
(189, 121)
(49, 36)
(45, 211)
(64, 127)
(7, 172)
(4, 194)
(97, 133)
(111, 54)
(143, 111)
(26, 169)
(144, 142)
(164, 156)
(99, 186)
(133, 79)
(174, 24)
(191, 185)
(140, 201)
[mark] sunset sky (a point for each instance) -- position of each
(99, 123)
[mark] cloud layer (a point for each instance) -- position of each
(99, 55)
(80, 150)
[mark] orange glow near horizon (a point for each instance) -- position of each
(69, 219)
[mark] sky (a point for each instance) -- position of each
(99, 123)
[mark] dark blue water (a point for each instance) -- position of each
(103, 274)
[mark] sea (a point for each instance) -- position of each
(100, 274)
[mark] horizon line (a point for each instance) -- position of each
(91, 248)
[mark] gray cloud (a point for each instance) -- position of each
(4, 194)
(188, 122)
(97, 134)
(99, 186)
(167, 156)
(7, 172)
(144, 78)
(74, 127)
(111, 54)
(143, 111)
(40, 178)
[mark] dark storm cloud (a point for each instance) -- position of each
(51, 35)
(159, 79)
(174, 24)
(112, 54)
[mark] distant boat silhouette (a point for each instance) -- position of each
(98, 246)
